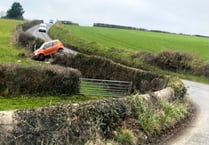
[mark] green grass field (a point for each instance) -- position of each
(122, 45)
(143, 40)
(9, 53)
(26, 102)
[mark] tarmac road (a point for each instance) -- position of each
(34, 31)
(198, 132)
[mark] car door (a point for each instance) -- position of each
(47, 49)
(52, 48)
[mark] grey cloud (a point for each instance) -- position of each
(183, 16)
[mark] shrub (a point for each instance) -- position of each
(146, 114)
(145, 56)
(174, 61)
(202, 70)
(28, 41)
(69, 124)
(171, 113)
(178, 86)
(154, 116)
(169, 60)
(40, 80)
(25, 39)
(30, 24)
(89, 122)
(101, 68)
(125, 137)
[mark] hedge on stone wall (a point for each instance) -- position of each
(30, 24)
(25, 39)
(41, 80)
(101, 68)
(69, 124)
(79, 123)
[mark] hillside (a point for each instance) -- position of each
(8, 52)
(170, 54)
(142, 40)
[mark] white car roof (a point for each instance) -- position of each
(43, 25)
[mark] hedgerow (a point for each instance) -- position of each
(101, 68)
(38, 80)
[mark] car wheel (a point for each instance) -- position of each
(41, 57)
(60, 50)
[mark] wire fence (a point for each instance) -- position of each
(98, 87)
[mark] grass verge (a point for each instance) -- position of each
(153, 117)
(26, 102)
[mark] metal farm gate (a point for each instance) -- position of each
(98, 87)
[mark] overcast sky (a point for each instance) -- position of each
(180, 16)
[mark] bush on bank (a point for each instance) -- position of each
(25, 39)
(38, 80)
(101, 68)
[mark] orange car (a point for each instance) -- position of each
(48, 48)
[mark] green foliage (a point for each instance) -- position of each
(40, 80)
(69, 124)
(101, 68)
(146, 115)
(154, 117)
(125, 137)
(172, 112)
(16, 11)
(85, 122)
(28, 41)
(29, 24)
(178, 86)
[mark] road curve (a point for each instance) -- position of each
(198, 132)
(34, 31)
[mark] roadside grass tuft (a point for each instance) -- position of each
(169, 111)
(125, 137)
(155, 117)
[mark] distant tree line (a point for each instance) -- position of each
(141, 29)
(117, 26)
(68, 22)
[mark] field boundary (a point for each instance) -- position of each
(100, 87)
